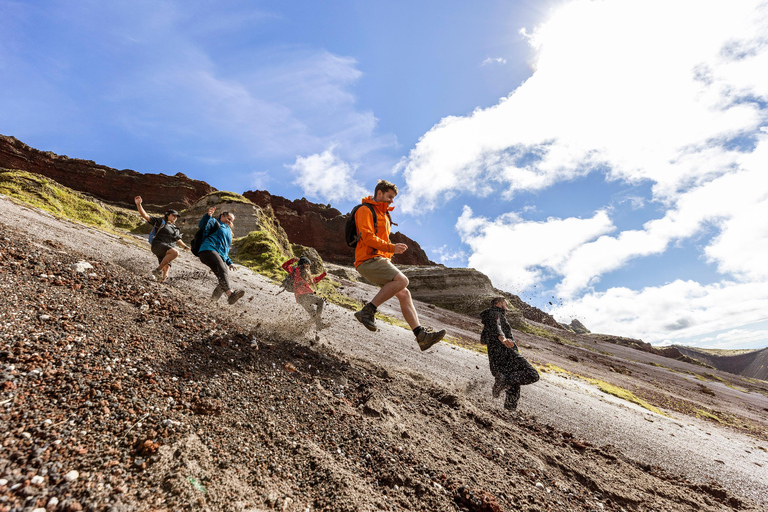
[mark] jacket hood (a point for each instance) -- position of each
(379, 206)
(488, 313)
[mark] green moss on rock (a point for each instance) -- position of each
(40, 192)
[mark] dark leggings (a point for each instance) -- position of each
(212, 260)
(308, 300)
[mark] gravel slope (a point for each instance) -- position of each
(688, 461)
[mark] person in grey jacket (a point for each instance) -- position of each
(167, 235)
(214, 252)
(510, 369)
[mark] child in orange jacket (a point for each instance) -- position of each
(303, 290)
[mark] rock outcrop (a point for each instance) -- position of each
(260, 244)
(248, 216)
(576, 327)
(465, 290)
(322, 227)
(159, 191)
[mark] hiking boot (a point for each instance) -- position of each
(510, 404)
(367, 317)
(158, 273)
(513, 395)
(217, 293)
(499, 386)
(427, 337)
(235, 296)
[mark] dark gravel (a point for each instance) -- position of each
(118, 393)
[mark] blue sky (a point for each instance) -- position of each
(606, 157)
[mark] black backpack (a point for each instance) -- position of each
(287, 285)
(197, 240)
(350, 228)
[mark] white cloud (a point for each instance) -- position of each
(674, 312)
(326, 177)
(736, 338)
(445, 254)
(493, 60)
(646, 92)
(616, 85)
(517, 254)
(259, 180)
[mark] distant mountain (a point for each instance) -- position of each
(753, 363)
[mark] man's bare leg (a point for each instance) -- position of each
(408, 309)
(389, 290)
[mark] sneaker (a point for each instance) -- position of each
(367, 317)
(498, 387)
(235, 296)
(217, 293)
(427, 337)
(158, 273)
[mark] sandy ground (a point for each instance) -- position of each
(699, 451)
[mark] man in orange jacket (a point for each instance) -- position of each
(373, 255)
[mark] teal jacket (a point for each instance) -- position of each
(218, 240)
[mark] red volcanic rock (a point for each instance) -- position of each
(112, 185)
(322, 227)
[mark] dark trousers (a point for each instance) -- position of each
(212, 260)
(512, 369)
(308, 301)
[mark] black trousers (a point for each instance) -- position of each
(212, 260)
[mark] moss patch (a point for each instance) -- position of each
(472, 345)
(62, 202)
(226, 197)
(329, 291)
(259, 251)
(608, 388)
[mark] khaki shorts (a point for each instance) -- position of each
(378, 270)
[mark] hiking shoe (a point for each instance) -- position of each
(367, 317)
(513, 395)
(510, 404)
(217, 293)
(235, 296)
(158, 273)
(427, 337)
(498, 387)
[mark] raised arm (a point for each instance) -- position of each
(142, 213)
(288, 264)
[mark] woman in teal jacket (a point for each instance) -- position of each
(214, 252)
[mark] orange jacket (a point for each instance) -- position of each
(373, 244)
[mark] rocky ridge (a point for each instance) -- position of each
(106, 183)
(322, 227)
(465, 290)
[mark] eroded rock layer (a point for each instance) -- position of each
(322, 227)
(112, 185)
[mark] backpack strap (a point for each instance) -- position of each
(373, 213)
